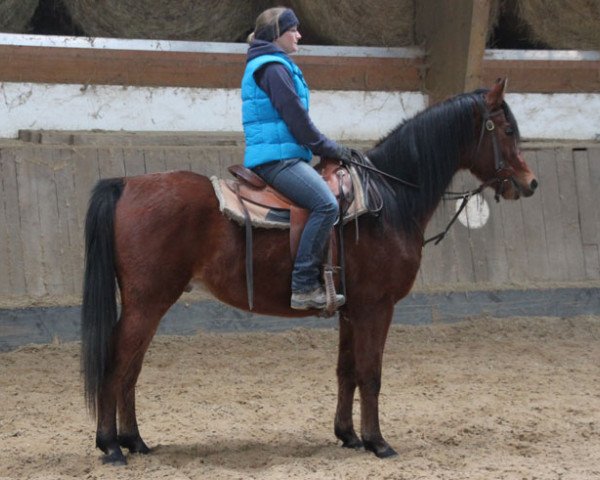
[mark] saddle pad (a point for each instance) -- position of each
(264, 217)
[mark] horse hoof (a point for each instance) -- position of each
(380, 450)
(114, 457)
(349, 438)
(386, 453)
(134, 444)
(355, 444)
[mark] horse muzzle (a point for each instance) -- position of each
(513, 187)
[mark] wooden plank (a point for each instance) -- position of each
(133, 161)
(535, 235)
(131, 139)
(5, 240)
(588, 201)
(433, 254)
(361, 73)
(86, 174)
(514, 235)
(495, 244)
(482, 252)
(110, 162)
(587, 197)
(448, 266)
(553, 227)
(120, 67)
(70, 227)
(593, 248)
(196, 69)
(154, 159)
(226, 157)
(538, 76)
(178, 159)
(570, 216)
(52, 235)
(11, 252)
(225, 70)
(592, 260)
(28, 173)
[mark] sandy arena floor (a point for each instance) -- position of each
(483, 399)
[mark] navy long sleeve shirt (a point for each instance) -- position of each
(276, 80)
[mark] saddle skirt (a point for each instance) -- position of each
(267, 208)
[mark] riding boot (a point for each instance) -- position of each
(314, 299)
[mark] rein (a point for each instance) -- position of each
(366, 164)
(466, 196)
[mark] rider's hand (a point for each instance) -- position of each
(344, 154)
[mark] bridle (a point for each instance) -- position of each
(503, 172)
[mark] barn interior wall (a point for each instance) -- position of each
(550, 239)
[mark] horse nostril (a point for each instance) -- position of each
(534, 184)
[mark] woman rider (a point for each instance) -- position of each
(281, 139)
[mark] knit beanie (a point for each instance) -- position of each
(286, 21)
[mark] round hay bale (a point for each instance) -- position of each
(562, 24)
(349, 22)
(214, 20)
(16, 14)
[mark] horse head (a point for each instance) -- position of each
(497, 160)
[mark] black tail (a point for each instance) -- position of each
(99, 309)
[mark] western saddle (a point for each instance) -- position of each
(249, 187)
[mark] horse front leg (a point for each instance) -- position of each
(370, 333)
(346, 374)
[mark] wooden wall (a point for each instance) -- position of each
(98, 66)
(552, 238)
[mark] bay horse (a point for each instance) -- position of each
(151, 236)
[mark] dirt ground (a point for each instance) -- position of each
(485, 399)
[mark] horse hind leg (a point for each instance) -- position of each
(138, 329)
(128, 432)
(344, 426)
(106, 431)
(131, 339)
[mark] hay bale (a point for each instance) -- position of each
(16, 14)
(562, 24)
(350, 22)
(212, 20)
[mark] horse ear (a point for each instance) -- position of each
(495, 96)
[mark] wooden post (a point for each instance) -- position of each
(454, 33)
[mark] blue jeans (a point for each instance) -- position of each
(301, 183)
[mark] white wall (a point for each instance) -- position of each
(341, 115)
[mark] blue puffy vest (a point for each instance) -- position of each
(267, 136)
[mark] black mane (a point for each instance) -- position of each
(425, 150)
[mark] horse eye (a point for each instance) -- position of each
(509, 131)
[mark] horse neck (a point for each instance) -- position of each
(427, 150)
